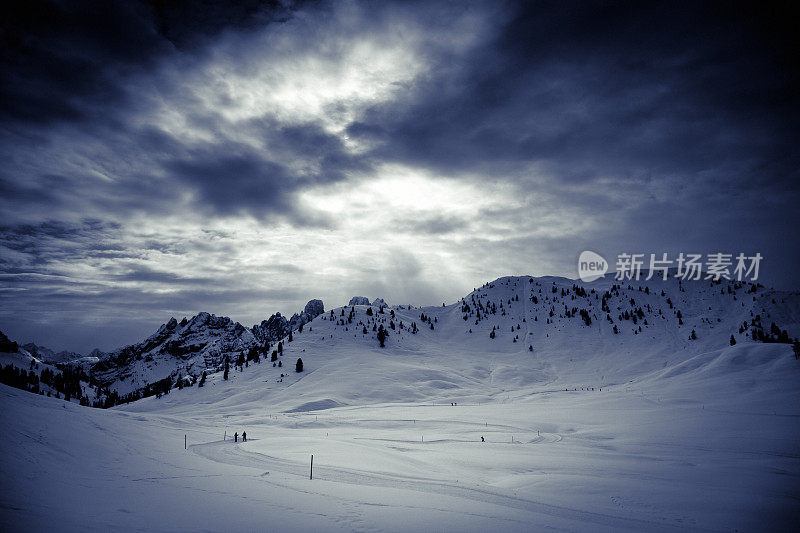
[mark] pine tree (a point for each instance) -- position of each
(382, 334)
(202, 379)
(299, 366)
(225, 374)
(733, 340)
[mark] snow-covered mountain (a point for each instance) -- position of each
(530, 403)
(193, 346)
(26, 369)
(513, 336)
(51, 356)
(536, 330)
(189, 346)
(518, 335)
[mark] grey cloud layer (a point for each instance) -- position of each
(128, 181)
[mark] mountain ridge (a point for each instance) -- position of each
(619, 329)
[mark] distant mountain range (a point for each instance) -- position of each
(619, 326)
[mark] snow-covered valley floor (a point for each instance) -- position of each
(620, 459)
(584, 428)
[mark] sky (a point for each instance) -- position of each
(165, 158)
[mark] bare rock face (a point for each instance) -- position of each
(359, 300)
(277, 327)
(273, 329)
(189, 347)
(379, 302)
(313, 309)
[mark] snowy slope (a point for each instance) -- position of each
(585, 429)
(530, 353)
(508, 335)
(671, 453)
(24, 361)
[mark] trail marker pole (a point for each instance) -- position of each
(184, 442)
(311, 472)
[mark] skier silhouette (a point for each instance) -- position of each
(482, 439)
(236, 437)
(244, 436)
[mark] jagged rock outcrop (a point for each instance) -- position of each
(358, 300)
(313, 309)
(187, 347)
(277, 326)
(379, 302)
(271, 330)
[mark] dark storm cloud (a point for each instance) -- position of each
(597, 103)
(609, 124)
(56, 56)
(590, 89)
(63, 60)
(236, 178)
(84, 66)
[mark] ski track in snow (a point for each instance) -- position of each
(234, 454)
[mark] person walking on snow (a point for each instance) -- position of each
(244, 436)
(482, 439)
(236, 437)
